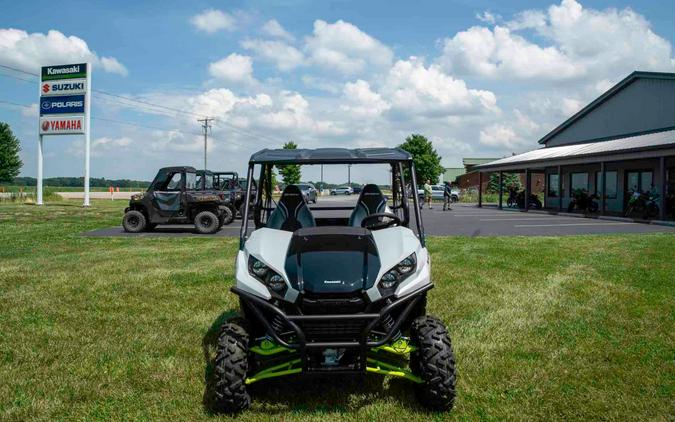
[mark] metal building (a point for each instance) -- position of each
(621, 143)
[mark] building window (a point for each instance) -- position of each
(553, 185)
(639, 181)
(611, 178)
(646, 181)
(578, 181)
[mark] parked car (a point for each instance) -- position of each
(437, 193)
(173, 198)
(357, 189)
(342, 190)
(309, 192)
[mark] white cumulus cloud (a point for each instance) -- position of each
(29, 52)
(233, 68)
(286, 57)
(274, 29)
(213, 20)
(567, 41)
(344, 47)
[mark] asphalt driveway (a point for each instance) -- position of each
(463, 220)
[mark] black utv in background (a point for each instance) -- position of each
(229, 181)
(205, 183)
(172, 198)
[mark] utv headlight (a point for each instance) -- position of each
(266, 275)
(399, 273)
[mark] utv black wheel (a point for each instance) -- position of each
(231, 367)
(206, 222)
(133, 221)
(226, 217)
(434, 362)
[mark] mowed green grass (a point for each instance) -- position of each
(123, 328)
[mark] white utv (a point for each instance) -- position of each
(333, 293)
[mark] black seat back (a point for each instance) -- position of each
(371, 201)
(291, 212)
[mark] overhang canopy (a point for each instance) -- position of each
(626, 148)
(330, 156)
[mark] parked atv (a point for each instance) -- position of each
(333, 295)
(205, 184)
(172, 198)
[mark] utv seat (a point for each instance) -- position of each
(371, 201)
(291, 212)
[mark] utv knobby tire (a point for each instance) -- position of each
(134, 221)
(207, 222)
(231, 367)
(434, 362)
(227, 216)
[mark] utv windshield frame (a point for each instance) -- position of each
(400, 161)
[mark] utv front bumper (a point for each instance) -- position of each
(309, 335)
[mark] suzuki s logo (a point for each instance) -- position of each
(45, 88)
(332, 282)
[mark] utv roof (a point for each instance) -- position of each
(330, 156)
(200, 172)
(186, 169)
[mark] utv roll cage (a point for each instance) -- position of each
(401, 162)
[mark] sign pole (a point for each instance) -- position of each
(39, 172)
(87, 136)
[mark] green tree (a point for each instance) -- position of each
(426, 159)
(508, 180)
(290, 173)
(10, 163)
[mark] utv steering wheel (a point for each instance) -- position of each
(374, 221)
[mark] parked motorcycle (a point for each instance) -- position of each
(533, 201)
(582, 201)
(644, 204)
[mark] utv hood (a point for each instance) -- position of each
(332, 260)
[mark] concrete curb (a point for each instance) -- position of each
(592, 217)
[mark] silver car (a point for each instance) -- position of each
(342, 190)
(308, 192)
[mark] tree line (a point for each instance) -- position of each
(94, 182)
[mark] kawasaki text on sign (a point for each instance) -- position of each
(66, 71)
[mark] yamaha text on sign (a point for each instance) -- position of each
(62, 104)
(67, 71)
(64, 87)
(61, 125)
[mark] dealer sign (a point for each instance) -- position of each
(61, 125)
(62, 104)
(63, 87)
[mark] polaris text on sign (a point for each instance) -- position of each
(62, 104)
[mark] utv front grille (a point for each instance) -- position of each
(340, 330)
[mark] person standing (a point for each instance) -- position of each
(447, 197)
(427, 193)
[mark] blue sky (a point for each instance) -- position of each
(480, 78)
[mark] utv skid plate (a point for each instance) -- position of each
(379, 354)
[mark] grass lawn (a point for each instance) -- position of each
(124, 328)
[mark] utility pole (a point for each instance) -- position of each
(349, 174)
(206, 126)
